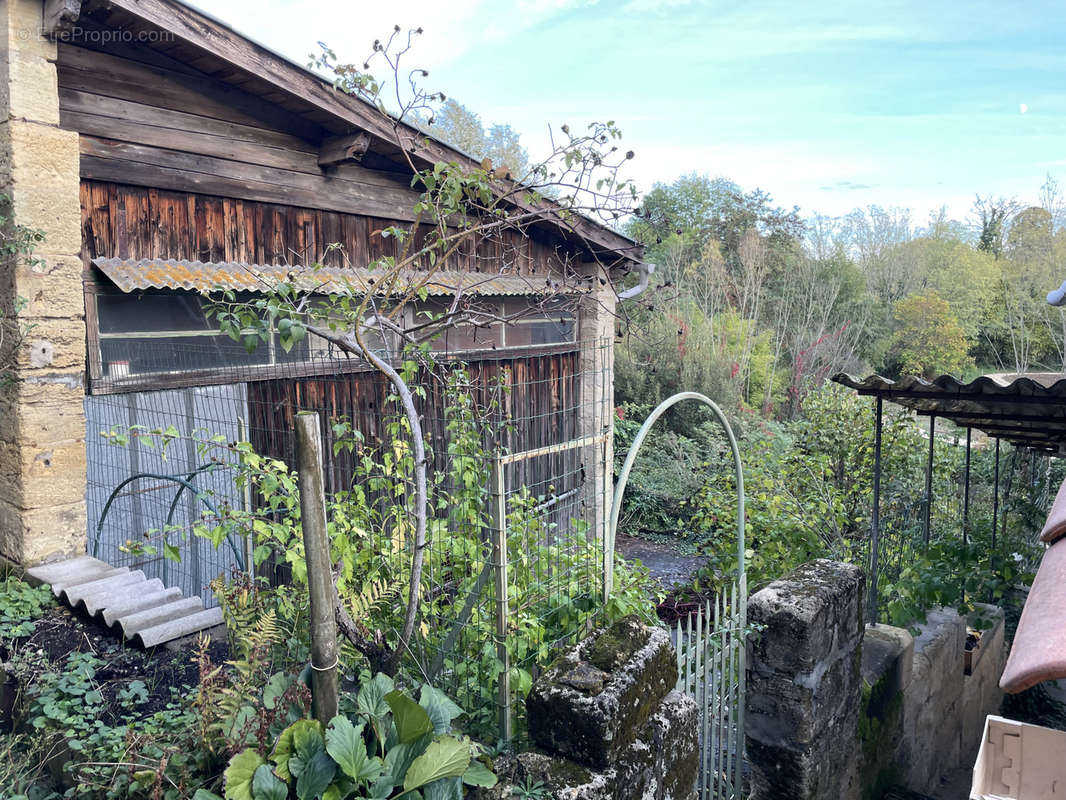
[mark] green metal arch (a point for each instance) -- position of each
(736, 690)
(631, 456)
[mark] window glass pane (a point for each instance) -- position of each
(140, 313)
(176, 354)
(554, 331)
(467, 337)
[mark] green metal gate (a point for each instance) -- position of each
(710, 645)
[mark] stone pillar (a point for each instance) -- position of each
(42, 421)
(596, 327)
(805, 685)
(608, 723)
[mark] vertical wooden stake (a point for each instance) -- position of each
(319, 579)
(499, 557)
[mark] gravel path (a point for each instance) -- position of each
(664, 563)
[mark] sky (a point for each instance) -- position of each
(828, 105)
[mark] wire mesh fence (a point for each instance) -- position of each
(518, 446)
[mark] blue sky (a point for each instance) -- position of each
(826, 105)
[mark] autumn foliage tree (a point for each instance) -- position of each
(929, 339)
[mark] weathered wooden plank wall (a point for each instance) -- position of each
(137, 222)
(256, 190)
(178, 164)
(539, 400)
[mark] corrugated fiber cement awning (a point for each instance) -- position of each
(132, 275)
(1027, 410)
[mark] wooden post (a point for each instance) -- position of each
(499, 558)
(319, 578)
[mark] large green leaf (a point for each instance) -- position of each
(371, 698)
(345, 744)
(203, 794)
(238, 775)
(285, 749)
(315, 776)
(268, 786)
(382, 788)
(444, 789)
(446, 757)
(477, 774)
(400, 757)
(412, 721)
(440, 708)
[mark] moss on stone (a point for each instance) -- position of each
(880, 717)
(616, 645)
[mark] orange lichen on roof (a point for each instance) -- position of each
(131, 275)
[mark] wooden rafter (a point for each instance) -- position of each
(338, 149)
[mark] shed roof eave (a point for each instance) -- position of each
(1027, 410)
(218, 39)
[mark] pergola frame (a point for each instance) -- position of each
(1025, 410)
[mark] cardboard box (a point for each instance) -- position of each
(1019, 762)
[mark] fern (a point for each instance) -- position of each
(372, 596)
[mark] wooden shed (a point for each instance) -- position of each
(159, 151)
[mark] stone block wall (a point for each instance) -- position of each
(608, 724)
(944, 709)
(42, 423)
(841, 710)
(804, 684)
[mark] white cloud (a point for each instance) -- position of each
(450, 29)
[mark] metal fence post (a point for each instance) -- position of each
(499, 558)
(875, 517)
(929, 480)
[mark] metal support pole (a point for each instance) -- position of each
(875, 516)
(995, 499)
(966, 493)
(929, 480)
(499, 558)
(319, 578)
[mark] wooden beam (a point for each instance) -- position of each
(221, 41)
(59, 17)
(338, 149)
(122, 162)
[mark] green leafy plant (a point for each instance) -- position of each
(530, 789)
(554, 586)
(92, 738)
(20, 605)
(390, 747)
(17, 245)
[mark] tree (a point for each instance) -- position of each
(994, 217)
(871, 235)
(461, 206)
(1033, 253)
(714, 210)
(929, 340)
(460, 127)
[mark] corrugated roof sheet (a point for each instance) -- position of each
(131, 275)
(1028, 409)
